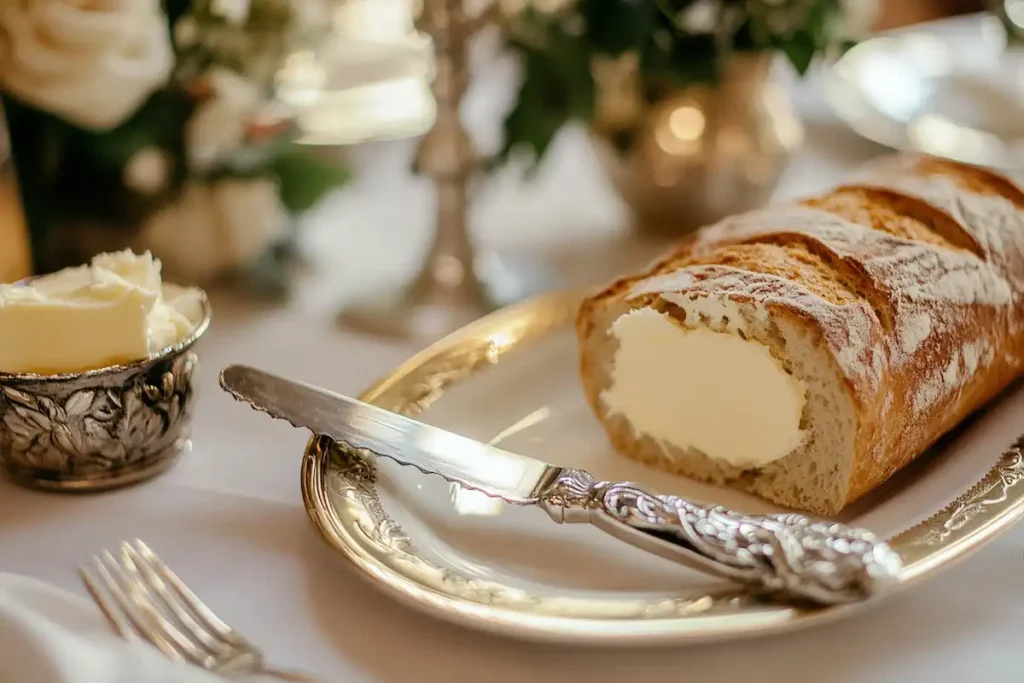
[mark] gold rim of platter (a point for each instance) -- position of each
(338, 490)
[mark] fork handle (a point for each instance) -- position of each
(788, 555)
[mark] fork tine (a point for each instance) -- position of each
(136, 603)
(114, 616)
(137, 592)
(126, 607)
(205, 614)
(209, 638)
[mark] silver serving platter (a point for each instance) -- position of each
(511, 379)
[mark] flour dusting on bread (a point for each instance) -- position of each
(898, 301)
(914, 328)
(850, 330)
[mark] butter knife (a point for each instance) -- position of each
(787, 556)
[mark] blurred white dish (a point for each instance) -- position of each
(949, 88)
(369, 81)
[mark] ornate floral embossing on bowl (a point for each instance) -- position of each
(97, 430)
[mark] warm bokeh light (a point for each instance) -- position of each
(681, 131)
(686, 123)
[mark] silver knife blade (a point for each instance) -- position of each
(786, 554)
(514, 478)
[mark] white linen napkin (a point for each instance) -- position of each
(51, 636)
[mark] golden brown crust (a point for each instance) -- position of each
(933, 250)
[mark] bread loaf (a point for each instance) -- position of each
(805, 352)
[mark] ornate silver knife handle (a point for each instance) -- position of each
(784, 554)
(788, 555)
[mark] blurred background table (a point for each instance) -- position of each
(230, 518)
(372, 233)
(375, 230)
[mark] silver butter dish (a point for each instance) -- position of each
(99, 429)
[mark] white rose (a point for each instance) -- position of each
(235, 12)
(186, 32)
(702, 16)
(147, 171)
(217, 128)
(859, 16)
(252, 217)
(215, 227)
(184, 235)
(91, 63)
(316, 15)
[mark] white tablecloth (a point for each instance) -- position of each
(230, 518)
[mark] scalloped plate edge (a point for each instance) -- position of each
(377, 547)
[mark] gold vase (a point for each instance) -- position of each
(682, 158)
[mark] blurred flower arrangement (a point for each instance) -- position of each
(148, 123)
(569, 48)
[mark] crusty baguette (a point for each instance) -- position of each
(897, 300)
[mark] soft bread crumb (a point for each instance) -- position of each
(810, 477)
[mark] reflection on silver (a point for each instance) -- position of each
(473, 503)
(534, 418)
(470, 503)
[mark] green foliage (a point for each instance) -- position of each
(673, 46)
(175, 9)
(617, 26)
(544, 103)
(159, 123)
(70, 173)
(304, 179)
(253, 45)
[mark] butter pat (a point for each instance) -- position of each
(114, 310)
(716, 392)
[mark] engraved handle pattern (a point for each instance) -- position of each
(787, 554)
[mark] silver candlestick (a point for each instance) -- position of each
(455, 285)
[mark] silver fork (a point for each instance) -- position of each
(142, 598)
